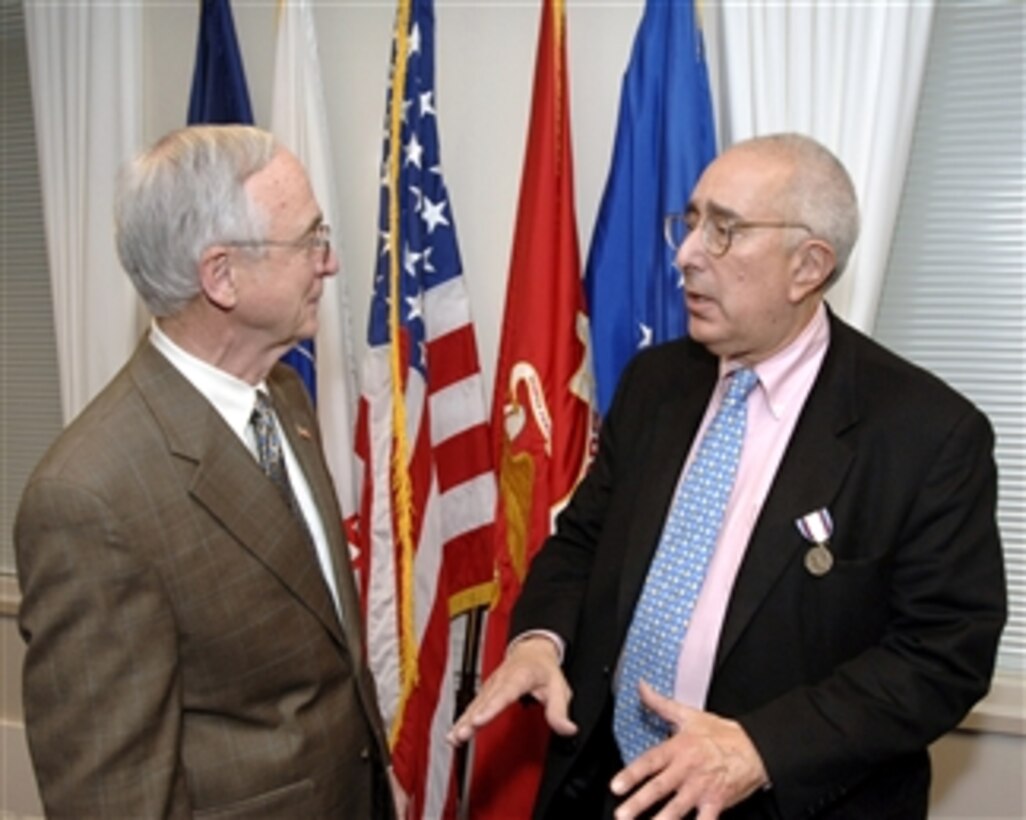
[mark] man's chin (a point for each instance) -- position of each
(702, 330)
(308, 331)
(712, 339)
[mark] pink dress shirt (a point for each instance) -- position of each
(774, 405)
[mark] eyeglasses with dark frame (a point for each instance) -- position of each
(717, 233)
(317, 239)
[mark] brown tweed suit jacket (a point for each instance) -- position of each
(184, 656)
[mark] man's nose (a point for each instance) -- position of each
(690, 250)
(332, 264)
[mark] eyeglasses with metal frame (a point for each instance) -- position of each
(319, 238)
(717, 232)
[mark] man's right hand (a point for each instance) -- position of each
(531, 667)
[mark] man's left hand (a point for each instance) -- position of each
(709, 764)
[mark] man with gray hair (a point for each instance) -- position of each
(192, 625)
(782, 577)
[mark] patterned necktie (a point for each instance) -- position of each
(269, 452)
(677, 571)
(272, 462)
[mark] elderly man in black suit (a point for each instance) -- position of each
(850, 598)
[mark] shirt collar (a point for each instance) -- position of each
(779, 374)
(233, 398)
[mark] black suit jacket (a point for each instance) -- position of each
(842, 680)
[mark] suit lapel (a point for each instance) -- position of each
(813, 469)
(228, 482)
(301, 429)
(297, 420)
(675, 424)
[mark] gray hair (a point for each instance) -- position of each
(182, 196)
(820, 191)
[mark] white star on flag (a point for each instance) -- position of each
(432, 214)
(414, 151)
(646, 336)
(427, 103)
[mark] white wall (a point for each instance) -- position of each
(485, 69)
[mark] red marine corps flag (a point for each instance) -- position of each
(542, 414)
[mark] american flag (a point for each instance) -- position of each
(428, 496)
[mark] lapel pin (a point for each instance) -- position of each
(304, 432)
(817, 527)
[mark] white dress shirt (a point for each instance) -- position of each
(234, 400)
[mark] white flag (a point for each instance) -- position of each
(299, 121)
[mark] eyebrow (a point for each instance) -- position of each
(313, 224)
(715, 210)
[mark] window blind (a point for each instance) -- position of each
(30, 413)
(954, 293)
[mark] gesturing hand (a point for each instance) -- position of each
(708, 764)
(530, 668)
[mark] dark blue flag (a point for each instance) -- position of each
(220, 96)
(664, 139)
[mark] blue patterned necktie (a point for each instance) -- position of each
(677, 571)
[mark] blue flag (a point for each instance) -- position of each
(220, 96)
(664, 139)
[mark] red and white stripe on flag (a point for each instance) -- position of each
(453, 502)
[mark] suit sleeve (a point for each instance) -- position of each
(101, 693)
(942, 616)
(553, 592)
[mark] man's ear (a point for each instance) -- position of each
(217, 279)
(815, 261)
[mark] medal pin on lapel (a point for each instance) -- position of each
(817, 527)
(304, 432)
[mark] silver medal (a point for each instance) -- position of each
(819, 560)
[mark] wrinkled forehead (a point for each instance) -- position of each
(743, 182)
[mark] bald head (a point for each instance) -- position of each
(815, 189)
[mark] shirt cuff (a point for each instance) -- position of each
(542, 633)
